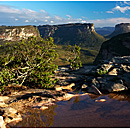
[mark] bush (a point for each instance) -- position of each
(28, 62)
(72, 56)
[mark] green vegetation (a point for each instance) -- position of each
(102, 72)
(28, 62)
(87, 55)
(72, 56)
(83, 39)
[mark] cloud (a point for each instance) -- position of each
(26, 20)
(122, 9)
(11, 16)
(109, 12)
(16, 19)
(69, 16)
(109, 22)
(128, 3)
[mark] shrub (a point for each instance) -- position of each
(72, 56)
(102, 72)
(28, 62)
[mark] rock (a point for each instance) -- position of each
(84, 86)
(120, 28)
(3, 98)
(95, 90)
(95, 83)
(2, 124)
(44, 107)
(117, 46)
(14, 33)
(100, 100)
(69, 87)
(113, 71)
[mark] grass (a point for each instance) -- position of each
(87, 56)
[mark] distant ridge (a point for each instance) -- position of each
(120, 29)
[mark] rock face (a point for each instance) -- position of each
(75, 33)
(116, 46)
(120, 28)
(15, 33)
(113, 75)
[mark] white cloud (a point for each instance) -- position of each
(26, 16)
(69, 16)
(83, 17)
(109, 12)
(128, 3)
(8, 9)
(122, 9)
(51, 21)
(16, 19)
(58, 18)
(109, 22)
(26, 20)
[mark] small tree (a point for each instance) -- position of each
(72, 56)
(28, 62)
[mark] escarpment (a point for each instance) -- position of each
(120, 28)
(75, 33)
(116, 46)
(16, 33)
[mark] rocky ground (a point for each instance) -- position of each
(111, 76)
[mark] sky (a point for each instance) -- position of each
(101, 13)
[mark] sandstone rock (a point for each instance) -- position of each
(3, 98)
(113, 71)
(14, 33)
(44, 107)
(100, 100)
(84, 86)
(2, 124)
(69, 87)
(95, 90)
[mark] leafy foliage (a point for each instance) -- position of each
(102, 72)
(72, 56)
(28, 62)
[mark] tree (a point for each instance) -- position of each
(72, 55)
(28, 62)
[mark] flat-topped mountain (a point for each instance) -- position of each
(15, 33)
(75, 33)
(120, 28)
(117, 46)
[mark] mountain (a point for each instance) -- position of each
(120, 28)
(16, 33)
(75, 33)
(104, 31)
(117, 46)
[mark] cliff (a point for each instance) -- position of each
(15, 33)
(76, 33)
(116, 46)
(120, 28)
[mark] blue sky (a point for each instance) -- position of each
(101, 13)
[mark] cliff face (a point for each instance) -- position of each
(120, 28)
(15, 33)
(116, 46)
(77, 33)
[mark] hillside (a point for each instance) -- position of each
(120, 29)
(116, 46)
(76, 33)
(16, 33)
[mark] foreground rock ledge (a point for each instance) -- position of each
(15, 104)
